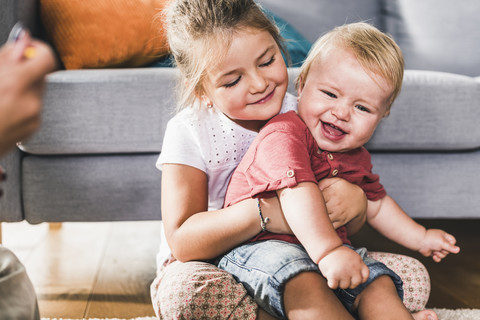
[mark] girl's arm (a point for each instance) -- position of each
(192, 232)
(390, 220)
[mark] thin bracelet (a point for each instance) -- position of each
(263, 221)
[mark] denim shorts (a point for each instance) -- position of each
(264, 268)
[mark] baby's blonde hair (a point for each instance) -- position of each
(200, 32)
(375, 51)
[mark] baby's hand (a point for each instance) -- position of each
(343, 268)
(438, 244)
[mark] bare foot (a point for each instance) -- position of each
(425, 315)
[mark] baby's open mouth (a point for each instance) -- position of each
(332, 130)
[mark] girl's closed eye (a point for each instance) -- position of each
(269, 62)
(232, 83)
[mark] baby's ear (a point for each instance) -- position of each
(387, 113)
(299, 84)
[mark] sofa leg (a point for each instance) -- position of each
(54, 225)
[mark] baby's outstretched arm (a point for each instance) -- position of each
(438, 244)
(390, 220)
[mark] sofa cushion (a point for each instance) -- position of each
(431, 185)
(441, 35)
(435, 111)
(312, 18)
(105, 111)
(106, 33)
(91, 188)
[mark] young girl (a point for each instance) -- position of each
(233, 81)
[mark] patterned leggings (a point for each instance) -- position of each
(198, 290)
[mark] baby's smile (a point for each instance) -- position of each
(332, 131)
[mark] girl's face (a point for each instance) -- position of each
(341, 103)
(249, 84)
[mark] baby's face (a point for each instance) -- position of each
(341, 103)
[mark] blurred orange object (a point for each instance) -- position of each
(106, 33)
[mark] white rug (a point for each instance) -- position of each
(443, 314)
(140, 318)
(458, 314)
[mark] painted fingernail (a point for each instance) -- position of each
(18, 31)
(30, 52)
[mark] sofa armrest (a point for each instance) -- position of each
(10, 202)
(25, 11)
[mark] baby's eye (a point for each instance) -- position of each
(233, 83)
(328, 93)
(362, 108)
(269, 62)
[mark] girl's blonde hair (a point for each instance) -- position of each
(375, 51)
(200, 32)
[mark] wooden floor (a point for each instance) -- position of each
(103, 270)
(88, 270)
(455, 280)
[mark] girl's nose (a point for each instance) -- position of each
(258, 83)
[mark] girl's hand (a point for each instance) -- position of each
(438, 244)
(346, 203)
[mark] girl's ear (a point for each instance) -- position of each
(202, 96)
(206, 100)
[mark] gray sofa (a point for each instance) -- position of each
(93, 159)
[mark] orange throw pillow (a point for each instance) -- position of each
(105, 33)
